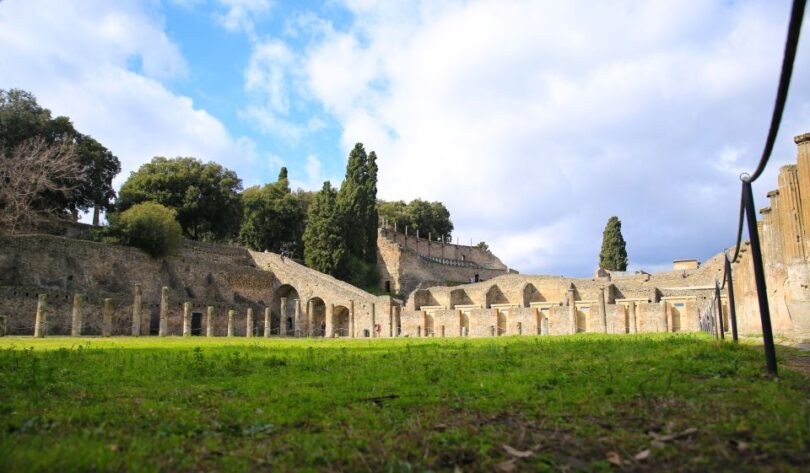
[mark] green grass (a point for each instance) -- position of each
(148, 404)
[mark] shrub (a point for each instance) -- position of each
(150, 227)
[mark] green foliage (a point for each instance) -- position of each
(483, 245)
(415, 404)
(352, 202)
(325, 249)
(273, 218)
(148, 226)
(22, 118)
(430, 218)
(613, 255)
(204, 195)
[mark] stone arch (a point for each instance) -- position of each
(459, 297)
(285, 300)
(531, 294)
(424, 297)
(317, 317)
(340, 321)
(495, 296)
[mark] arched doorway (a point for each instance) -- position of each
(286, 305)
(317, 317)
(341, 321)
(531, 294)
(495, 296)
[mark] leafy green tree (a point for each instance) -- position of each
(325, 248)
(613, 256)
(273, 218)
(148, 226)
(23, 119)
(204, 195)
(483, 245)
(394, 212)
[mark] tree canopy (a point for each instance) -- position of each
(324, 244)
(23, 119)
(273, 217)
(430, 218)
(204, 195)
(613, 255)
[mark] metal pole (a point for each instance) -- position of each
(759, 277)
(719, 309)
(732, 311)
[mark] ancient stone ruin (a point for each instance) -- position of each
(54, 285)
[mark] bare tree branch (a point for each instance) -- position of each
(28, 173)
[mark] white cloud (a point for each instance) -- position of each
(240, 15)
(536, 121)
(76, 58)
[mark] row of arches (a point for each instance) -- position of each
(484, 325)
(493, 296)
(297, 317)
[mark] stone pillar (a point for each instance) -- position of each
(106, 318)
(137, 312)
(572, 309)
(391, 320)
(186, 319)
(803, 168)
(602, 309)
(308, 318)
(351, 313)
(791, 218)
(330, 313)
(631, 308)
(296, 317)
(282, 326)
(41, 320)
(209, 322)
(777, 228)
(76, 323)
(164, 312)
(665, 315)
(267, 325)
(373, 321)
(231, 313)
(249, 323)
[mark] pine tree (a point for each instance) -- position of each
(613, 256)
(324, 246)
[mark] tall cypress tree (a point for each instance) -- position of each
(324, 246)
(613, 256)
(351, 202)
(371, 209)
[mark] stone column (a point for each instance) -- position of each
(231, 313)
(391, 320)
(330, 313)
(209, 322)
(249, 323)
(164, 312)
(76, 323)
(137, 313)
(572, 310)
(106, 318)
(186, 319)
(282, 326)
(631, 307)
(351, 314)
(296, 317)
(665, 316)
(373, 321)
(777, 231)
(267, 325)
(791, 209)
(602, 309)
(41, 320)
(803, 167)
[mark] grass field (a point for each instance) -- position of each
(677, 402)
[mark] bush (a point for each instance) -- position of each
(150, 227)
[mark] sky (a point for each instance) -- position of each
(532, 121)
